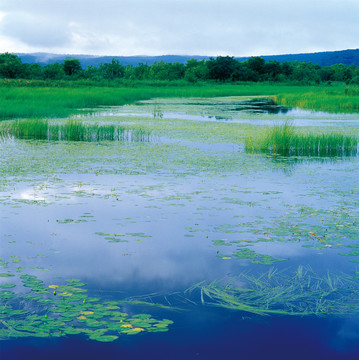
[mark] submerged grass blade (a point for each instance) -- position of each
(286, 294)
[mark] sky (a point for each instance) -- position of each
(178, 27)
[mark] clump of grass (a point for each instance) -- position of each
(70, 130)
(274, 292)
(284, 139)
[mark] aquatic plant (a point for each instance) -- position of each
(244, 253)
(70, 130)
(301, 293)
(66, 309)
(285, 139)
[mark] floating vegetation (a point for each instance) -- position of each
(285, 140)
(61, 310)
(117, 238)
(301, 293)
(318, 229)
(71, 221)
(246, 254)
(233, 209)
(71, 130)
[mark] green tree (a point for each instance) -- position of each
(257, 65)
(196, 70)
(11, 66)
(33, 71)
(72, 67)
(93, 73)
(112, 70)
(141, 72)
(272, 70)
(326, 73)
(159, 71)
(175, 71)
(287, 68)
(306, 72)
(221, 68)
(53, 72)
(243, 73)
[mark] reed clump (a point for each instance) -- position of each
(70, 130)
(284, 139)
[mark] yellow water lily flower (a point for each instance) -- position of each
(137, 329)
(86, 312)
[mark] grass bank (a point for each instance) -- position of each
(333, 99)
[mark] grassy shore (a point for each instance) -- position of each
(333, 99)
(19, 99)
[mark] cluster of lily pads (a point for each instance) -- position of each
(61, 310)
(117, 238)
(244, 253)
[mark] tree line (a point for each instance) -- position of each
(221, 69)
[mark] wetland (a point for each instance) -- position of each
(152, 230)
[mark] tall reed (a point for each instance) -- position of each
(284, 139)
(70, 130)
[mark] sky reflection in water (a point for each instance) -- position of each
(128, 235)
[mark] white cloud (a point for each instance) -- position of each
(27, 29)
(208, 27)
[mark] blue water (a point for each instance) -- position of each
(179, 213)
(210, 335)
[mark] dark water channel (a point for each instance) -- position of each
(180, 233)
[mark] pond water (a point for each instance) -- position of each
(258, 111)
(183, 247)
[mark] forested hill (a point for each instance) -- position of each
(346, 57)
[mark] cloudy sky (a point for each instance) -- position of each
(186, 27)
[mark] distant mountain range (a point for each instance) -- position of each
(346, 57)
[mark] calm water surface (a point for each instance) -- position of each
(146, 221)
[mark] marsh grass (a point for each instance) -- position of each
(284, 139)
(274, 292)
(336, 99)
(70, 130)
